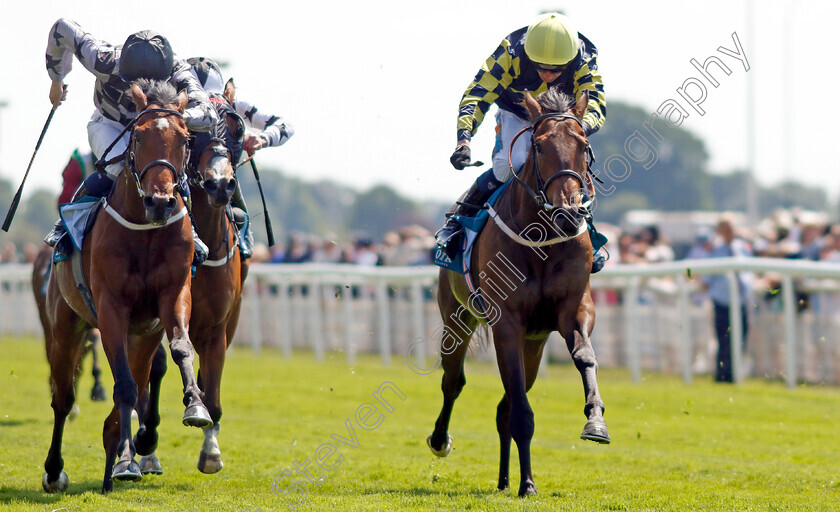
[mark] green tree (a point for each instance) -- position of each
(676, 181)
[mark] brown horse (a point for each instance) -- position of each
(528, 285)
(136, 260)
(216, 287)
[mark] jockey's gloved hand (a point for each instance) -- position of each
(461, 157)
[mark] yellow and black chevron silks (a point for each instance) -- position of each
(508, 73)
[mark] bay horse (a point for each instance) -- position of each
(136, 261)
(216, 287)
(528, 286)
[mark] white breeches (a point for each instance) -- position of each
(101, 133)
(507, 126)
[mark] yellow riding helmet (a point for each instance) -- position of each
(552, 40)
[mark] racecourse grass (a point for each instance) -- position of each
(757, 446)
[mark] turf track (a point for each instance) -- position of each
(758, 446)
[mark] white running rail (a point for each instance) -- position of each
(650, 317)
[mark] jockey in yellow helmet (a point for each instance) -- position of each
(548, 53)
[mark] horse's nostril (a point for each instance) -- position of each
(210, 186)
(231, 186)
(170, 204)
(149, 202)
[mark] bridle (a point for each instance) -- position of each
(542, 186)
(130, 153)
(219, 149)
(219, 139)
(176, 173)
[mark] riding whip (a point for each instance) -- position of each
(268, 231)
(16, 200)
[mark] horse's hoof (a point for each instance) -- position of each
(209, 463)
(60, 485)
(443, 452)
(595, 430)
(150, 465)
(126, 470)
(197, 416)
(97, 393)
(74, 411)
(528, 489)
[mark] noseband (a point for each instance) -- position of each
(540, 195)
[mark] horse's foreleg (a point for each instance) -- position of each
(533, 352)
(576, 332)
(508, 337)
(212, 360)
(503, 427)
(148, 412)
(113, 326)
(175, 316)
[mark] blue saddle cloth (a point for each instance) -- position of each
(473, 226)
(77, 221)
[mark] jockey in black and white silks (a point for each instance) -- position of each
(145, 54)
(273, 130)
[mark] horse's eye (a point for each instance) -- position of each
(538, 147)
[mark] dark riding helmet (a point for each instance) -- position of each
(146, 54)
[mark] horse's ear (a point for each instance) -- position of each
(531, 104)
(181, 102)
(138, 96)
(230, 91)
(580, 107)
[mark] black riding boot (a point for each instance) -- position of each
(448, 236)
(240, 218)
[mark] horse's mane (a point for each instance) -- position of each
(553, 100)
(159, 92)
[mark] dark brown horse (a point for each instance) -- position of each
(216, 288)
(136, 261)
(532, 278)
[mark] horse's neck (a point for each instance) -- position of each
(209, 221)
(517, 206)
(125, 199)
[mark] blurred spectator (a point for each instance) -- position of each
(703, 245)
(727, 245)
(365, 254)
(656, 247)
(261, 254)
(30, 252)
(297, 249)
(9, 253)
(328, 251)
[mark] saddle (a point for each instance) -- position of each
(473, 225)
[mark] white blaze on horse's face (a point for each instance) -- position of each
(162, 123)
(219, 166)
